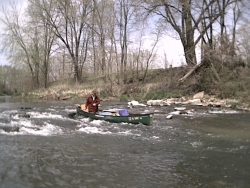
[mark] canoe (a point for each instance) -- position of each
(108, 115)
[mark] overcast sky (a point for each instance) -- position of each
(4, 3)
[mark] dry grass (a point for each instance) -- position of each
(161, 83)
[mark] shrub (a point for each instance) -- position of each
(161, 95)
(124, 98)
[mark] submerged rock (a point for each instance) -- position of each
(199, 95)
(180, 108)
(157, 103)
(135, 103)
(23, 115)
(175, 113)
(169, 116)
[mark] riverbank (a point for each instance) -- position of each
(63, 92)
(160, 84)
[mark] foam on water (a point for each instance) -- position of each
(155, 137)
(223, 112)
(127, 133)
(23, 122)
(103, 130)
(8, 114)
(35, 121)
(46, 130)
(196, 144)
(93, 130)
(102, 127)
(69, 110)
(28, 129)
(97, 122)
(45, 115)
(82, 122)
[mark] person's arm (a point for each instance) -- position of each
(87, 103)
(97, 102)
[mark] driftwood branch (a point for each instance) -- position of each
(215, 72)
(56, 94)
(190, 72)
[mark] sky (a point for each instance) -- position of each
(168, 45)
(173, 50)
(2, 59)
(4, 3)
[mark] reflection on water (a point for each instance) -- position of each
(5, 99)
(42, 147)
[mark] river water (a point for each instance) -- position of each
(41, 146)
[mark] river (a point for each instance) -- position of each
(41, 146)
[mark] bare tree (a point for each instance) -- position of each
(17, 43)
(30, 40)
(123, 26)
(151, 55)
(185, 16)
(125, 15)
(45, 38)
(69, 21)
(101, 24)
(237, 14)
(243, 37)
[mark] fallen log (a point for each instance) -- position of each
(56, 94)
(66, 97)
(190, 72)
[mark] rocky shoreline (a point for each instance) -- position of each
(199, 99)
(199, 103)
